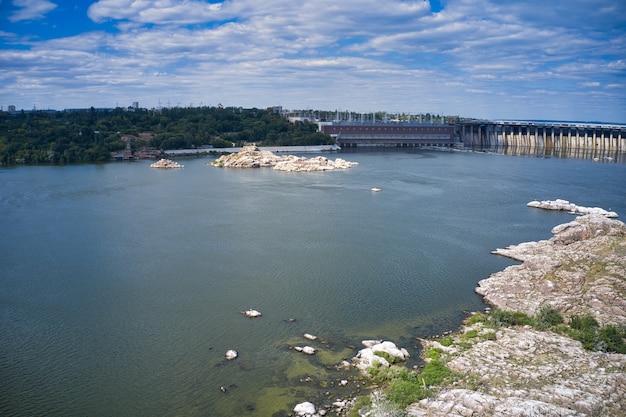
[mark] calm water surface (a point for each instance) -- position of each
(121, 286)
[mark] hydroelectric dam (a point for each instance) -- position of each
(565, 139)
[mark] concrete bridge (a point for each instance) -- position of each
(555, 136)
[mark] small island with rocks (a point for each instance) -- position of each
(253, 157)
(166, 163)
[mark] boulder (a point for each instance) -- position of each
(305, 349)
(251, 313)
(370, 356)
(304, 409)
(231, 354)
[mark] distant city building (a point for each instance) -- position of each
(135, 105)
(11, 108)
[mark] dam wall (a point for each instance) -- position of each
(573, 139)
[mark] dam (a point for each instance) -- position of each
(563, 137)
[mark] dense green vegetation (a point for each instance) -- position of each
(91, 135)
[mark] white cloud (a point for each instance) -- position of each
(364, 55)
(161, 11)
(31, 9)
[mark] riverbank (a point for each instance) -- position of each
(522, 371)
(520, 360)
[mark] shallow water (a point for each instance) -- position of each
(122, 286)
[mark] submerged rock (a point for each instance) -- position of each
(305, 349)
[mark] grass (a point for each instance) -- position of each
(404, 386)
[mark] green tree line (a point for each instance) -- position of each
(90, 135)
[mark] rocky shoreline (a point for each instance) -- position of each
(520, 371)
(253, 157)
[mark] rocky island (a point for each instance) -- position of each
(253, 157)
(166, 163)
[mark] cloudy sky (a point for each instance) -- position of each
(532, 59)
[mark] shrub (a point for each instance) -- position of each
(383, 407)
(402, 393)
(586, 330)
(510, 318)
(547, 317)
(584, 322)
(614, 336)
(435, 372)
(362, 403)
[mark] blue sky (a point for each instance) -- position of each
(496, 59)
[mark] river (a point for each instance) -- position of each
(121, 286)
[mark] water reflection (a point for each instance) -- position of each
(596, 155)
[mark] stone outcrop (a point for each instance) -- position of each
(580, 270)
(564, 205)
(253, 157)
(522, 372)
(166, 163)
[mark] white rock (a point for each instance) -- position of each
(367, 357)
(305, 408)
(572, 208)
(308, 350)
(231, 354)
(390, 348)
(251, 313)
(370, 343)
(166, 163)
(310, 336)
